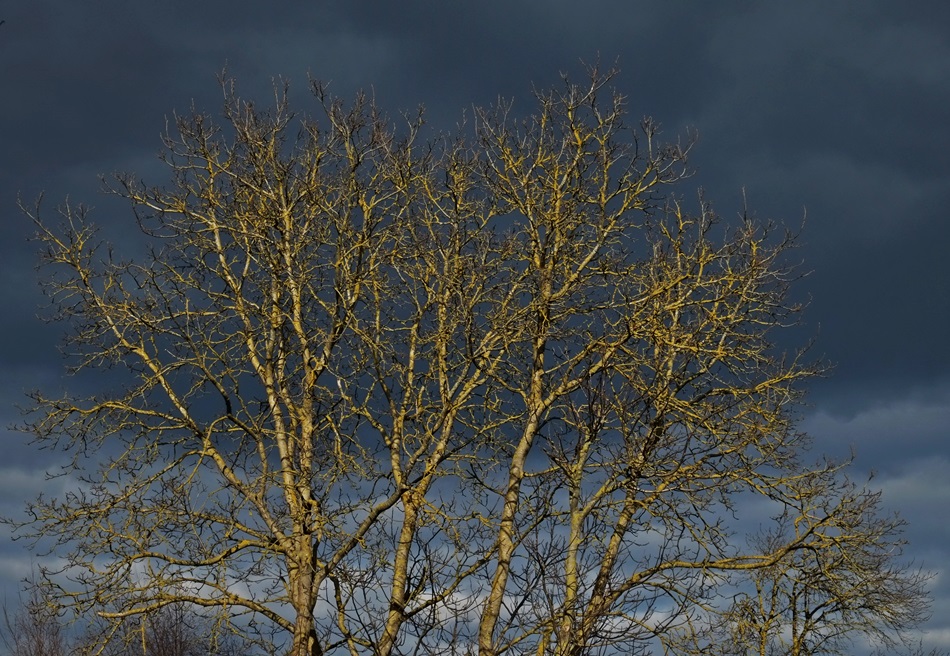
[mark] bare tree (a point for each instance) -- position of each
(498, 392)
(173, 630)
(33, 629)
(846, 586)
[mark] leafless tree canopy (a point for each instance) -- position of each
(846, 582)
(33, 629)
(175, 630)
(498, 392)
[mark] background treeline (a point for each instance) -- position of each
(33, 629)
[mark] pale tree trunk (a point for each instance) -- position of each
(506, 532)
(303, 598)
(399, 589)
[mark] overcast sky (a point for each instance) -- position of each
(835, 112)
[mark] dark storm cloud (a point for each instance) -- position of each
(837, 109)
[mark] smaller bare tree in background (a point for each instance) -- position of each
(847, 586)
(34, 629)
(173, 630)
